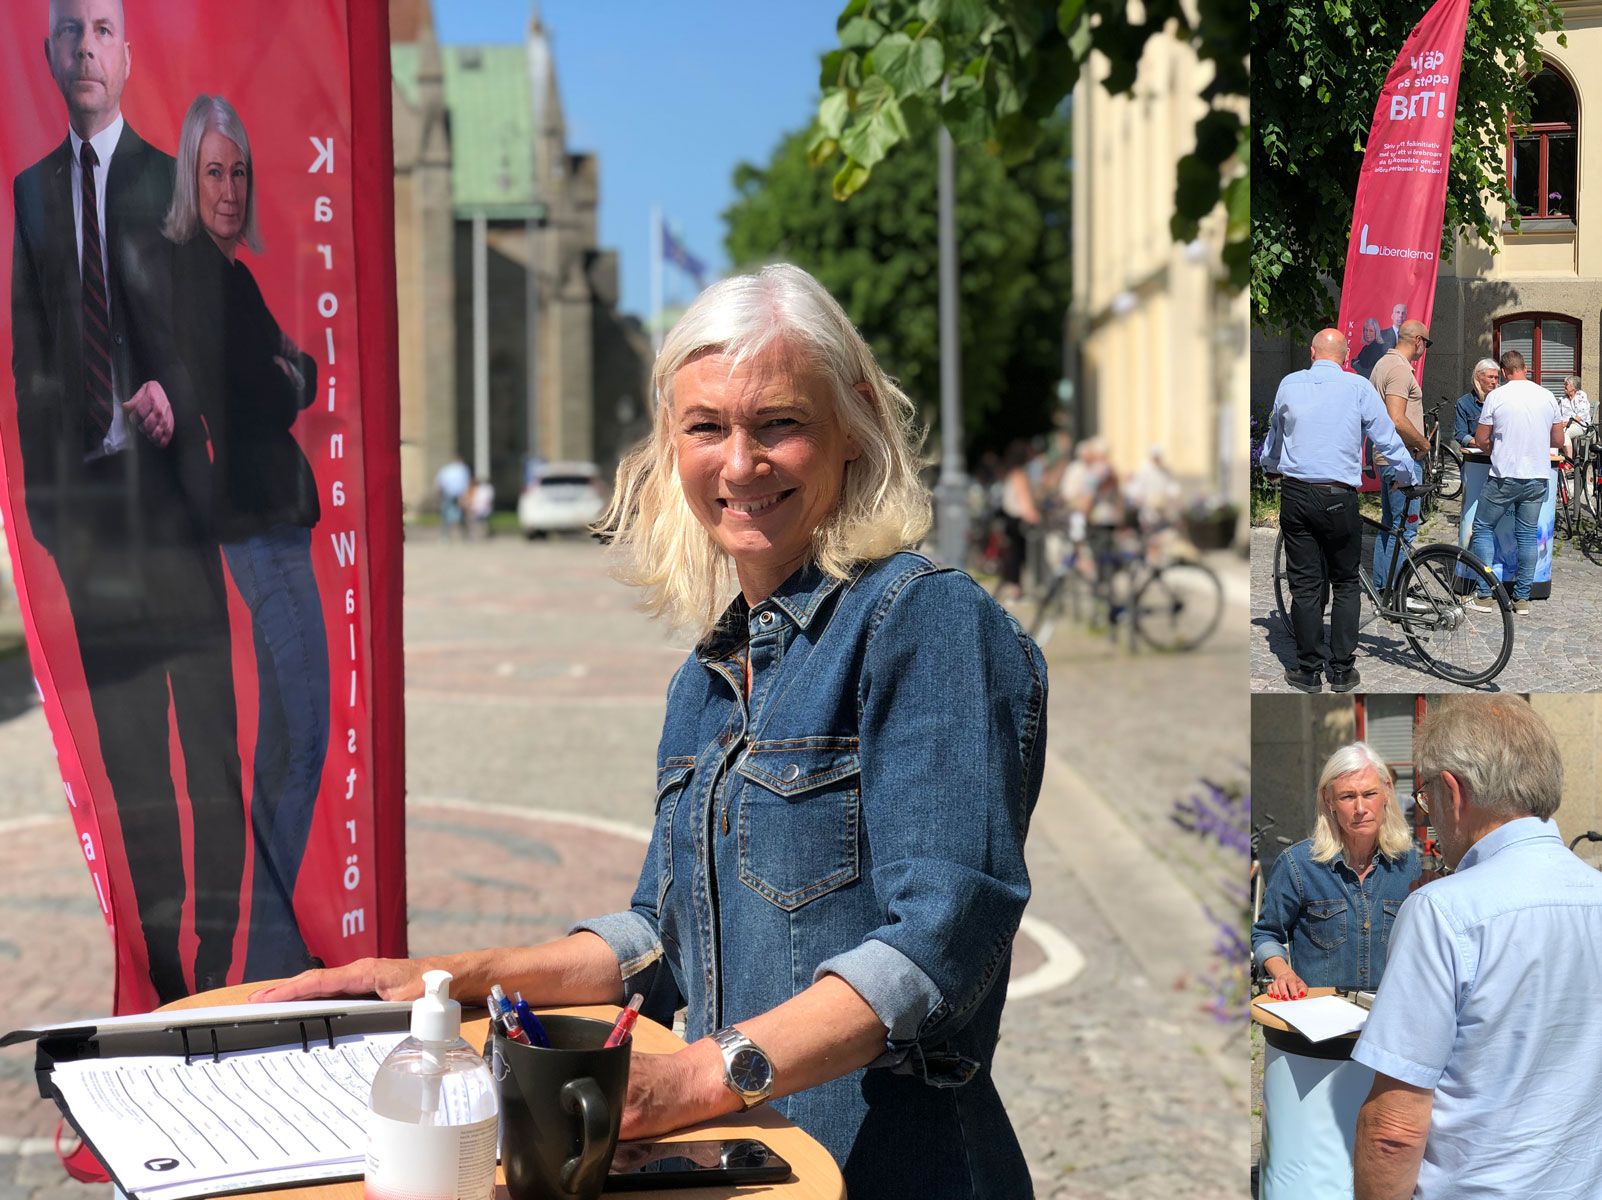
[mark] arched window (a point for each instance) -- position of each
(1543, 156)
(1549, 342)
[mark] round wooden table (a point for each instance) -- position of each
(814, 1173)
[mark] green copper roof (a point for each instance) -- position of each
(492, 128)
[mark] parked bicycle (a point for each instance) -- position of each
(1171, 605)
(1444, 461)
(1427, 599)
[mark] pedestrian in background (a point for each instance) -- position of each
(1518, 427)
(1486, 1032)
(481, 506)
(1395, 380)
(1019, 516)
(452, 484)
(1575, 405)
(1315, 441)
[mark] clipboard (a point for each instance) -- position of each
(261, 1037)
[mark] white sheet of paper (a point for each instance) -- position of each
(1320, 1018)
(169, 1131)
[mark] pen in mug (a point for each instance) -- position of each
(625, 1021)
(530, 1023)
(501, 1011)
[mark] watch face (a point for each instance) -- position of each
(749, 1070)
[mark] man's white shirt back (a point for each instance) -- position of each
(1521, 414)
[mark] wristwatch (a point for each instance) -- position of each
(746, 1069)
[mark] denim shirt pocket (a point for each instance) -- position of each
(1326, 923)
(672, 781)
(800, 809)
(1392, 907)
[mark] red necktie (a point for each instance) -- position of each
(96, 310)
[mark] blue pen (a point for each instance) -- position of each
(530, 1023)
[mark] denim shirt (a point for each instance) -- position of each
(1333, 928)
(862, 815)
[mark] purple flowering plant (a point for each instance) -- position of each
(1221, 816)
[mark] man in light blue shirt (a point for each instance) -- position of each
(1315, 440)
(1486, 1035)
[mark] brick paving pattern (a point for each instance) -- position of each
(534, 691)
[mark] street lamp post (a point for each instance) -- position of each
(952, 493)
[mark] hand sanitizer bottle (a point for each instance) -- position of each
(432, 1119)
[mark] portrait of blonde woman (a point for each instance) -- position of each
(1332, 898)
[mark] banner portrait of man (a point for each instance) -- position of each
(187, 408)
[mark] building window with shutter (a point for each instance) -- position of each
(1549, 342)
(1543, 156)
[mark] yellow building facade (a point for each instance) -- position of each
(1157, 349)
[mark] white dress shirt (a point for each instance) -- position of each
(105, 144)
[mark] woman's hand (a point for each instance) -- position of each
(670, 1091)
(1288, 986)
(387, 978)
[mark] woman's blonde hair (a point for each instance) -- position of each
(1395, 838)
(183, 216)
(657, 542)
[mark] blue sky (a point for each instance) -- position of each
(671, 95)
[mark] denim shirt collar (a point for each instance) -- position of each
(1524, 829)
(1326, 365)
(799, 598)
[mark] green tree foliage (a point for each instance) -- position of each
(1006, 66)
(878, 256)
(1320, 67)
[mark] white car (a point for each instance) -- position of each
(563, 496)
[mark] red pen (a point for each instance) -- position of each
(625, 1021)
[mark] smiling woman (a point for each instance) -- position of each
(847, 769)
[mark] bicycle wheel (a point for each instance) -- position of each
(1282, 585)
(1178, 606)
(1451, 472)
(1433, 587)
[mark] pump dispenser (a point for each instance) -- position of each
(432, 1119)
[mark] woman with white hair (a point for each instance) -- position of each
(252, 383)
(1331, 899)
(1574, 408)
(1371, 351)
(1487, 376)
(846, 771)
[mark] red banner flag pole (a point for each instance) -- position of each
(1394, 252)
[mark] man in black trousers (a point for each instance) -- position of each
(116, 480)
(1315, 441)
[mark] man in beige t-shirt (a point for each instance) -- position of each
(1394, 380)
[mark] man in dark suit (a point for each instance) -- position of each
(116, 479)
(1392, 333)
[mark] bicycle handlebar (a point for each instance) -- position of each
(1589, 835)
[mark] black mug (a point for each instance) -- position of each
(561, 1108)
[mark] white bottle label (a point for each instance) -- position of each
(430, 1162)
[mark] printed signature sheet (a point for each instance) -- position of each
(263, 1118)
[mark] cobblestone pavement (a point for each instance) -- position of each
(534, 700)
(1554, 648)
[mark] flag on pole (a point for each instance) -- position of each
(675, 252)
(1394, 251)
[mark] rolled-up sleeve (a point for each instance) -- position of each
(952, 727)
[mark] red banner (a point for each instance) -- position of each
(200, 437)
(1394, 253)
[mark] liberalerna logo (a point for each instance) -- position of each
(1367, 247)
